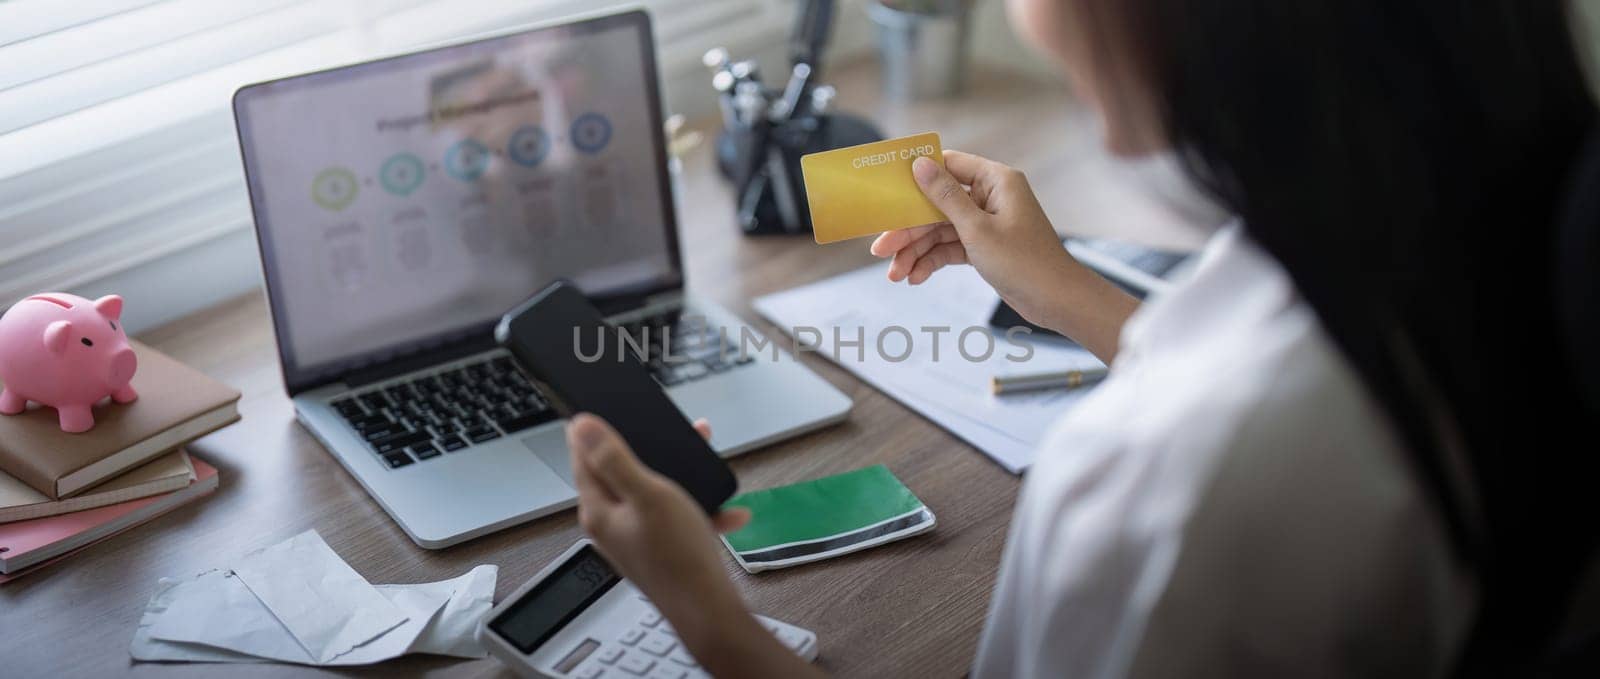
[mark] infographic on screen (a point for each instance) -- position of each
(403, 200)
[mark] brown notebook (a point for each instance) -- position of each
(167, 473)
(176, 404)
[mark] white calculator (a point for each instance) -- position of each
(578, 618)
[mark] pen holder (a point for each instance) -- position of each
(764, 167)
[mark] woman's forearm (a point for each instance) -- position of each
(1090, 309)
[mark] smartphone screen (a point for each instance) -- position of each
(578, 359)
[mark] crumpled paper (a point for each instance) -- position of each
(298, 602)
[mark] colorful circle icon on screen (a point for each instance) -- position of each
(334, 188)
(591, 132)
(467, 160)
(529, 145)
(402, 173)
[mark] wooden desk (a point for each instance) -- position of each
(914, 608)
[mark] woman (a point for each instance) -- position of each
(1344, 445)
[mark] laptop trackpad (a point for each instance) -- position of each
(550, 446)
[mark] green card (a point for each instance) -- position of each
(827, 517)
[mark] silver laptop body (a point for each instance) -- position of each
(402, 205)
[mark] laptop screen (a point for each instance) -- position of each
(409, 202)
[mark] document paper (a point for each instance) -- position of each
(933, 377)
(221, 615)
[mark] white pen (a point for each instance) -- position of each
(1055, 379)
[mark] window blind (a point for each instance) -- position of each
(117, 146)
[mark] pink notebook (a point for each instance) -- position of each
(26, 544)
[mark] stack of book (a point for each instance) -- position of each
(60, 492)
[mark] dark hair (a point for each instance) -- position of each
(1404, 160)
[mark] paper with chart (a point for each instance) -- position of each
(929, 346)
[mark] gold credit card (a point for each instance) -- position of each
(862, 190)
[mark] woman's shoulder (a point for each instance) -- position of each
(1310, 514)
(1303, 395)
(1235, 348)
(1289, 424)
(1241, 505)
(1236, 462)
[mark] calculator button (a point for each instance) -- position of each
(658, 644)
(590, 671)
(682, 657)
(637, 664)
(650, 619)
(609, 654)
(631, 637)
(667, 672)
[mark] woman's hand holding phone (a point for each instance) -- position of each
(656, 536)
(644, 523)
(997, 226)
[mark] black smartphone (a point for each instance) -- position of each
(578, 360)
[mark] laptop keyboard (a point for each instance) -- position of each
(697, 349)
(450, 411)
(445, 412)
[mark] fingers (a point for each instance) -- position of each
(890, 242)
(704, 427)
(596, 502)
(600, 450)
(965, 167)
(906, 259)
(982, 175)
(945, 192)
(731, 519)
(943, 254)
(590, 487)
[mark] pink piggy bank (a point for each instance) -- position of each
(65, 352)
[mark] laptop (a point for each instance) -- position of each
(402, 205)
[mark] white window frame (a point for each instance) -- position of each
(143, 195)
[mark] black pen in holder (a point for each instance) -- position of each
(764, 167)
(765, 131)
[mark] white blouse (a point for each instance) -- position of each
(1229, 502)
